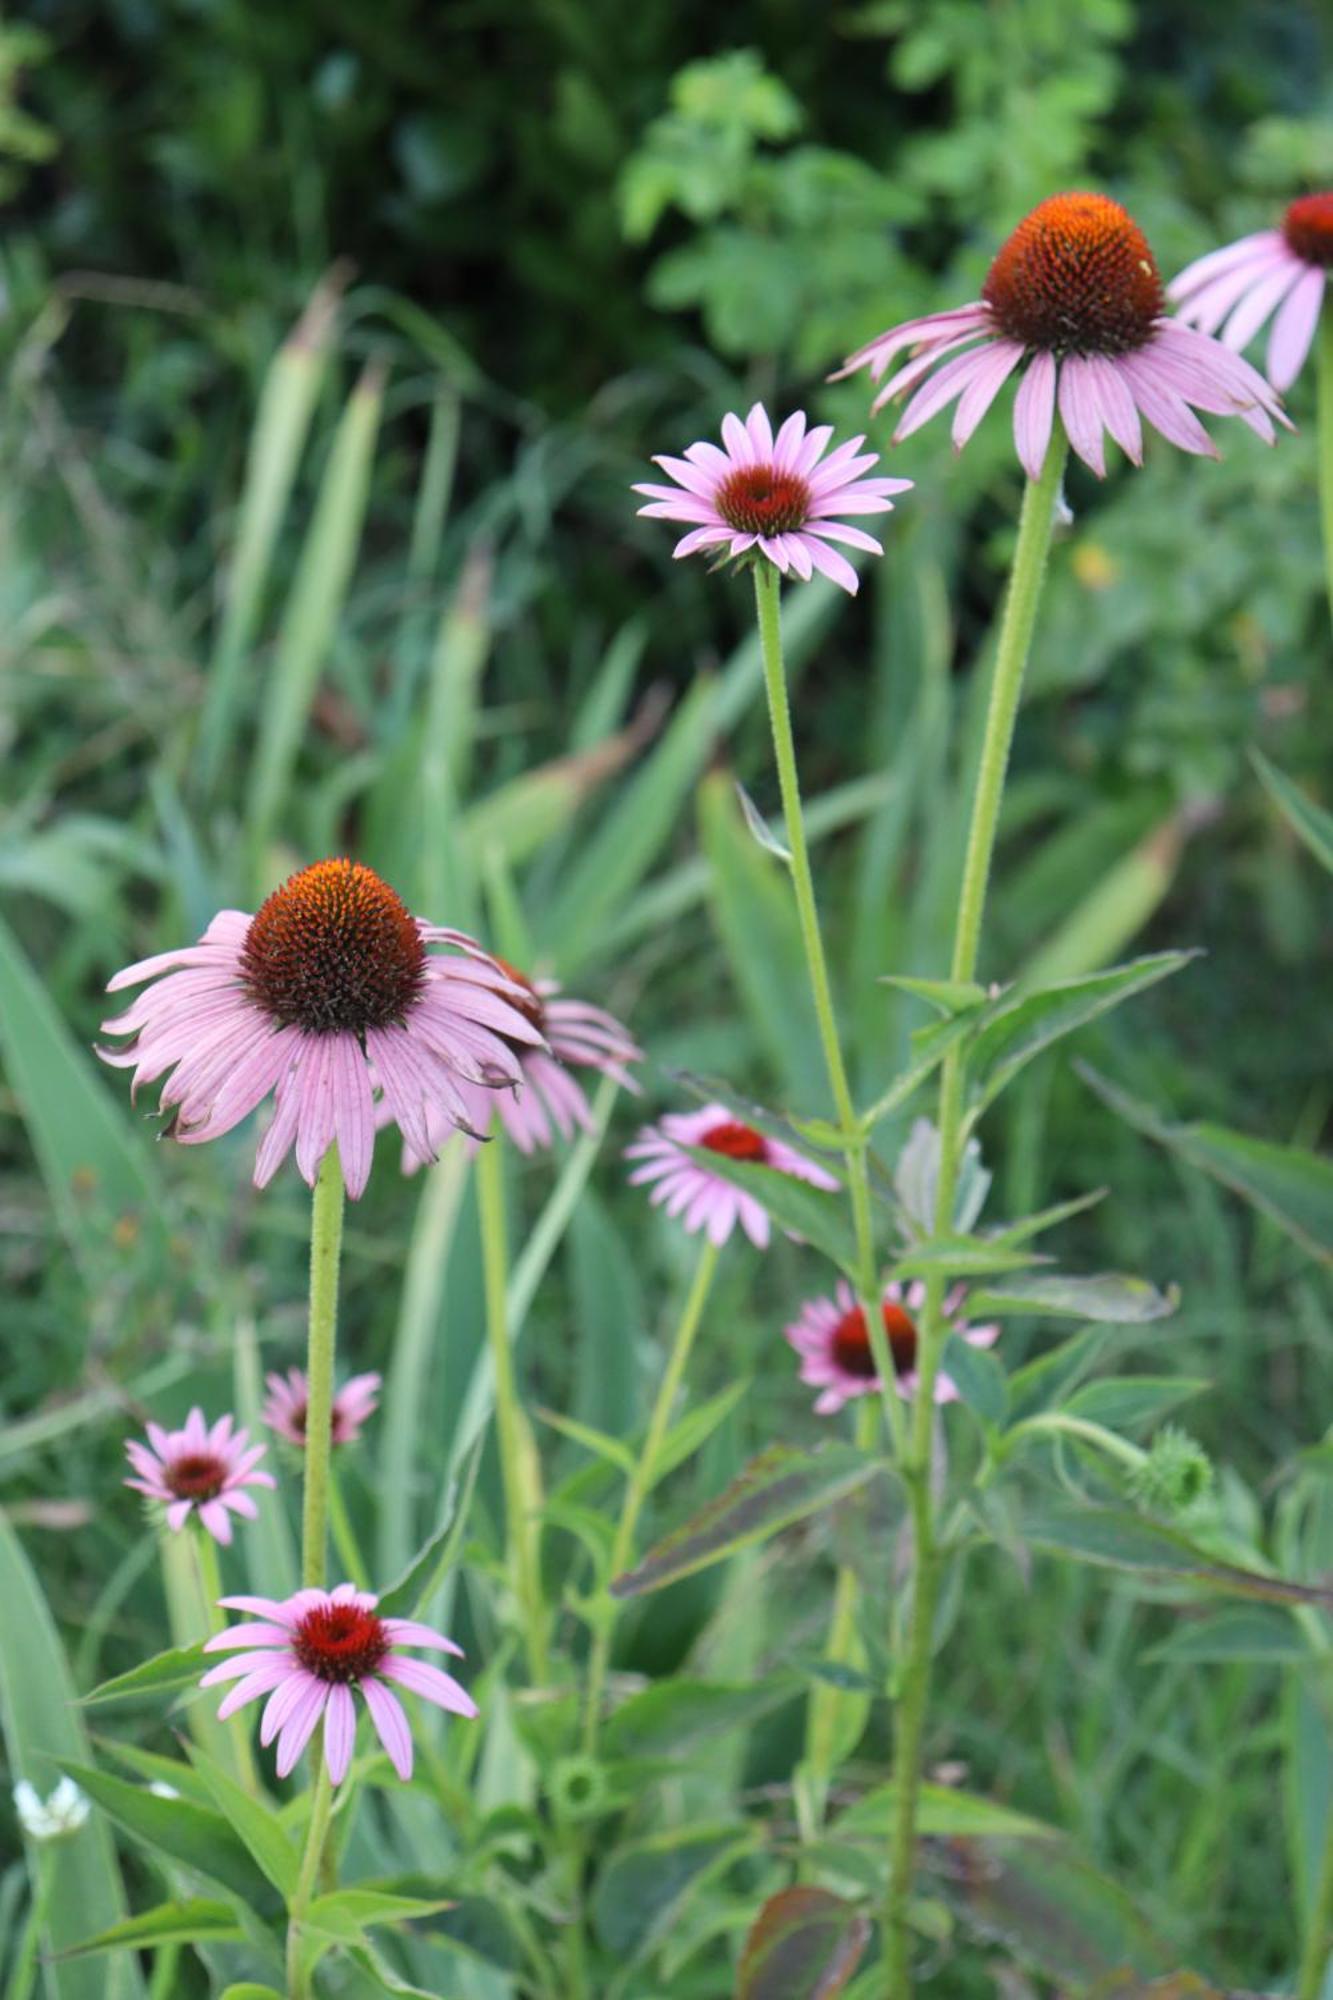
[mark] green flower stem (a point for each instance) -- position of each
(1016, 628)
(326, 1233)
(1319, 1935)
(210, 1590)
(767, 590)
(642, 1479)
(510, 1428)
(321, 1809)
(825, 1703)
(1324, 438)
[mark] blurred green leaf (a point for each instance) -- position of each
(1019, 1026)
(1249, 1632)
(178, 1667)
(805, 1944)
(674, 1717)
(1112, 1539)
(813, 1215)
(1313, 825)
(1111, 1296)
(642, 1882)
(254, 1823)
(189, 1835)
(194, 1920)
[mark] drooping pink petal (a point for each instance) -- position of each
(1293, 329)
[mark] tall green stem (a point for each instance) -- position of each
(321, 1809)
(1324, 443)
(1319, 1935)
(767, 604)
(510, 1428)
(1016, 628)
(642, 1478)
(326, 1235)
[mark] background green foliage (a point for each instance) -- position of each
(556, 238)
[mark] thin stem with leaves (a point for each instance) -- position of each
(1016, 628)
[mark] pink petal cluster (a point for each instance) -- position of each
(1232, 292)
(778, 495)
(701, 1200)
(288, 1400)
(310, 1653)
(830, 1336)
(199, 1470)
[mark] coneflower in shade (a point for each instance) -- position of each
(548, 1099)
(310, 1653)
(700, 1200)
(832, 1339)
(778, 495)
(1075, 299)
(199, 1470)
(331, 991)
(1278, 274)
(288, 1396)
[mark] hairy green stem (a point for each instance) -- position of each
(1016, 628)
(641, 1480)
(1324, 437)
(509, 1423)
(321, 1808)
(326, 1233)
(767, 590)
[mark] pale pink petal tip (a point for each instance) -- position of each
(784, 497)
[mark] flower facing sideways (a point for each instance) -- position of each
(330, 992)
(779, 496)
(199, 1470)
(1075, 299)
(310, 1653)
(1280, 274)
(548, 1099)
(832, 1339)
(706, 1201)
(288, 1396)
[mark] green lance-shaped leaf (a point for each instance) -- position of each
(805, 1944)
(1112, 1538)
(255, 1824)
(979, 1376)
(43, 1728)
(1291, 1186)
(195, 1920)
(1110, 1296)
(318, 594)
(1051, 1910)
(1022, 1023)
(1126, 1402)
(814, 1215)
(944, 1812)
(1313, 825)
(437, 1556)
(100, 1175)
(674, 1717)
(166, 1673)
(1255, 1632)
(642, 1882)
(772, 1491)
(189, 1835)
(282, 422)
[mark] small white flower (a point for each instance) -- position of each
(58, 1817)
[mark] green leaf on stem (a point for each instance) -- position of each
(695, 1428)
(1052, 1910)
(1244, 1632)
(187, 1834)
(946, 996)
(980, 1378)
(1022, 1023)
(1292, 1187)
(1029, 1226)
(345, 1913)
(964, 1257)
(780, 1486)
(196, 1920)
(614, 1450)
(178, 1667)
(672, 1718)
(813, 1215)
(254, 1823)
(805, 1941)
(1126, 1402)
(1111, 1296)
(1040, 1385)
(1310, 822)
(436, 1557)
(248, 1990)
(943, 1813)
(1110, 1538)
(642, 1882)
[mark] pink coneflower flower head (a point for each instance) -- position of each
(289, 1396)
(199, 1470)
(832, 1339)
(548, 1099)
(701, 1200)
(778, 496)
(309, 1653)
(330, 991)
(1075, 299)
(1279, 274)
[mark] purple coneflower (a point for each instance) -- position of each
(330, 991)
(289, 1396)
(833, 1342)
(198, 1470)
(778, 495)
(573, 1035)
(308, 1654)
(705, 1201)
(1076, 295)
(1280, 271)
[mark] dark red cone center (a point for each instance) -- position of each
(736, 1142)
(198, 1475)
(341, 1642)
(851, 1342)
(1308, 228)
(1076, 277)
(334, 949)
(760, 500)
